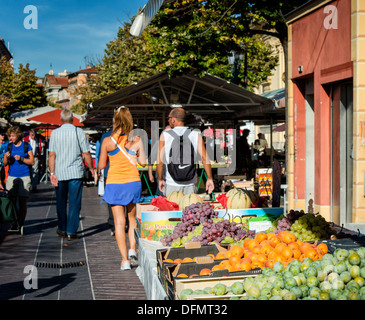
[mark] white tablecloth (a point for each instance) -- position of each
(147, 269)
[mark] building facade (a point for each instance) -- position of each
(326, 110)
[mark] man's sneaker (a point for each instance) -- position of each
(132, 256)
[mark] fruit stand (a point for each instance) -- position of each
(218, 254)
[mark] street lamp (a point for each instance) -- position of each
(234, 60)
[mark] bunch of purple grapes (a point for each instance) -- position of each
(294, 215)
(199, 223)
(221, 231)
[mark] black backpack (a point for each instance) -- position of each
(26, 149)
(181, 164)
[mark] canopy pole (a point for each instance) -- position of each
(271, 146)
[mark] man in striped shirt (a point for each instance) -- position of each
(68, 147)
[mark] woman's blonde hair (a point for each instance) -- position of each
(123, 120)
(17, 131)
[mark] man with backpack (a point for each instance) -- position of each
(178, 149)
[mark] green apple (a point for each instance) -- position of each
(278, 267)
(325, 286)
(322, 275)
(353, 286)
(362, 272)
(278, 283)
(340, 266)
(345, 276)
(310, 272)
(361, 252)
(290, 283)
(266, 292)
(355, 271)
(262, 298)
(219, 289)
(287, 274)
(360, 281)
(327, 257)
(237, 287)
(332, 276)
(342, 296)
(329, 268)
(314, 292)
(254, 291)
(337, 283)
(267, 272)
(289, 296)
(247, 283)
(276, 297)
(302, 278)
(353, 295)
(294, 269)
(305, 265)
(275, 291)
(354, 259)
(305, 290)
(184, 293)
(335, 293)
(324, 296)
(297, 291)
(341, 254)
(312, 281)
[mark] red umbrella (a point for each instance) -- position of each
(54, 117)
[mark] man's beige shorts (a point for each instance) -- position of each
(18, 186)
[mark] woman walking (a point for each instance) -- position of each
(123, 185)
(19, 156)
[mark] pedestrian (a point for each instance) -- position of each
(36, 143)
(186, 182)
(3, 143)
(68, 146)
(123, 184)
(244, 154)
(19, 156)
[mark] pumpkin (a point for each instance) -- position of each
(175, 196)
(239, 200)
(189, 199)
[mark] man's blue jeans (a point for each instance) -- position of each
(70, 190)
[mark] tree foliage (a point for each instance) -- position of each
(18, 90)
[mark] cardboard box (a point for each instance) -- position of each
(143, 207)
(155, 224)
(191, 250)
(202, 283)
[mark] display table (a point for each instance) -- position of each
(147, 269)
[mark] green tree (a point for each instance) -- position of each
(18, 90)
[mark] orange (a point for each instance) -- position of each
(296, 253)
(322, 248)
(168, 260)
(182, 275)
(246, 251)
(265, 242)
(280, 247)
(257, 249)
(224, 263)
(217, 267)
(261, 258)
(270, 235)
(302, 257)
(274, 241)
(287, 253)
(252, 256)
(299, 242)
(220, 255)
(304, 247)
(237, 251)
(257, 264)
(187, 259)
(246, 242)
(281, 235)
(312, 253)
(272, 255)
(205, 272)
(289, 237)
(259, 237)
(280, 258)
(266, 249)
(246, 260)
(234, 260)
(293, 245)
(178, 260)
(252, 244)
(193, 275)
(269, 263)
(245, 266)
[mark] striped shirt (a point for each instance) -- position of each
(68, 148)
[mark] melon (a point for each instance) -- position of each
(189, 199)
(239, 200)
(175, 196)
(232, 192)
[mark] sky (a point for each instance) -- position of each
(67, 31)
